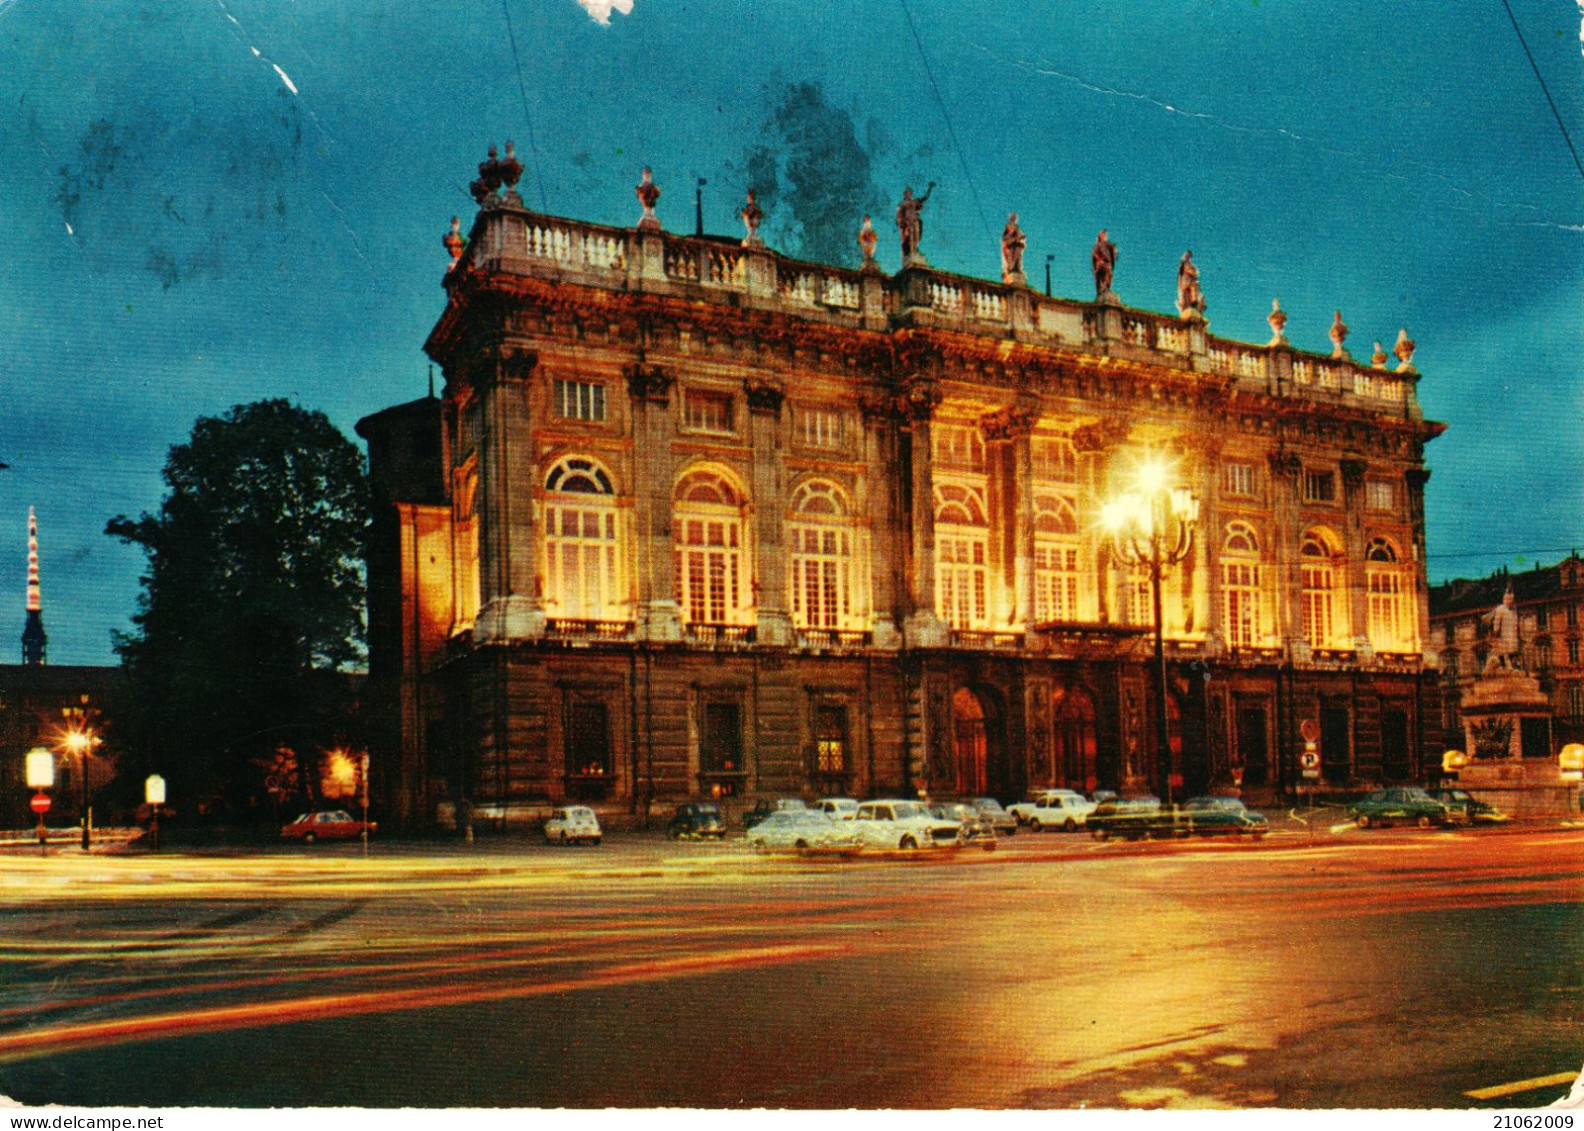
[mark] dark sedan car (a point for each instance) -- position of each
(1475, 811)
(694, 820)
(1210, 816)
(1404, 805)
(1130, 818)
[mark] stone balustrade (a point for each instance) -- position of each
(513, 240)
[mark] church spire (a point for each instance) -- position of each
(34, 642)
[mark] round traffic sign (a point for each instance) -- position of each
(1309, 760)
(40, 803)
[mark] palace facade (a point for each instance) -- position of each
(695, 519)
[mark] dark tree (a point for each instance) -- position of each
(252, 605)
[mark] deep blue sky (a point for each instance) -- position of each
(186, 232)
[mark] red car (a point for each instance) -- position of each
(331, 824)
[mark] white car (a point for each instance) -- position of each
(904, 825)
(838, 808)
(806, 831)
(572, 824)
(1054, 809)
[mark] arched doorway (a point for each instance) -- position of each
(971, 744)
(1075, 761)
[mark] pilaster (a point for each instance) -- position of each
(922, 626)
(774, 620)
(649, 387)
(511, 587)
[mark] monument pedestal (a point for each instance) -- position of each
(1507, 734)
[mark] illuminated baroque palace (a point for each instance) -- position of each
(695, 519)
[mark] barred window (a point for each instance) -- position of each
(822, 428)
(707, 412)
(1319, 486)
(1237, 479)
(579, 400)
(1380, 494)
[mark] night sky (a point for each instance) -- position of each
(209, 202)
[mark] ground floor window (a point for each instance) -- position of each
(721, 770)
(831, 768)
(1253, 745)
(590, 769)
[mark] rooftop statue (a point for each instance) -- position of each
(910, 222)
(648, 194)
(1013, 241)
(1103, 260)
(1339, 333)
(1190, 299)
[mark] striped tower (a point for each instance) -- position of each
(34, 642)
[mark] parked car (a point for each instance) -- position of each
(572, 824)
(1400, 805)
(768, 805)
(804, 830)
(1209, 816)
(1054, 809)
(696, 820)
(840, 808)
(905, 825)
(1131, 818)
(977, 829)
(1100, 795)
(328, 824)
(1475, 811)
(1004, 823)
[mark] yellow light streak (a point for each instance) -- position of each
(1499, 1090)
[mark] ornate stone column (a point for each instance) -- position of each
(1010, 463)
(922, 625)
(888, 547)
(770, 504)
(1415, 479)
(1094, 444)
(1204, 481)
(1358, 582)
(511, 587)
(1285, 470)
(649, 387)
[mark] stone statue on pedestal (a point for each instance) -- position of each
(1190, 299)
(910, 222)
(1103, 260)
(1013, 241)
(1503, 621)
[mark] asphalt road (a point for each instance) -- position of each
(1398, 968)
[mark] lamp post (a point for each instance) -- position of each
(154, 794)
(40, 776)
(1152, 525)
(80, 740)
(1048, 260)
(698, 207)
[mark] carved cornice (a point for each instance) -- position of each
(648, 382)
(1008, 424)
(878, 409)
(1100, 436)
(918, 400)
(764, 396)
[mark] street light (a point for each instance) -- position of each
(1152, 525)
(40, 776)
(79, 741)
(154, 794)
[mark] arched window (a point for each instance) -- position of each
(1243, 601)
(961, 556)
(713, 585)
(1389, 627)
(1055, 558)
(581, 543)
(1319, 583)
(821, 541)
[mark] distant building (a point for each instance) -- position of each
(692, 519)
(1550, 603)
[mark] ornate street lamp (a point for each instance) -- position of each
(154, 794)
(1152, 525)
(39, 769)
(80, 740)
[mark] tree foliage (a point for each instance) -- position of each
(252, 603)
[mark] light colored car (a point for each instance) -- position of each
(572, 824)
(839, 808)
(1063, 809)
(1005, 823)
(806, 831)
(904, 825)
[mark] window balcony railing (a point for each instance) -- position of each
(833, 639)
(972, 638)
(720, 635)
(562, 628)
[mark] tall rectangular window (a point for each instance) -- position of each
(1385, 609)
(821, 428)
(830, 740)
(707, 412)
(1240, 587)
(1237, 479)
(961, 579)
(1055, 582)
(1319, 487)
(579, 400)
(1318, 583)
(720, 739)
(1380, 494)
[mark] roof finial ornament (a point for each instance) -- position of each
(1339, 333)
(1102, 260)
(1404, 349)
(1013, 241)
(868, 239)
(751, 215)
(1278, 322)
(1378, 358)
(648, 194)
(454, 241)
(489, 179)
(1190, 298)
